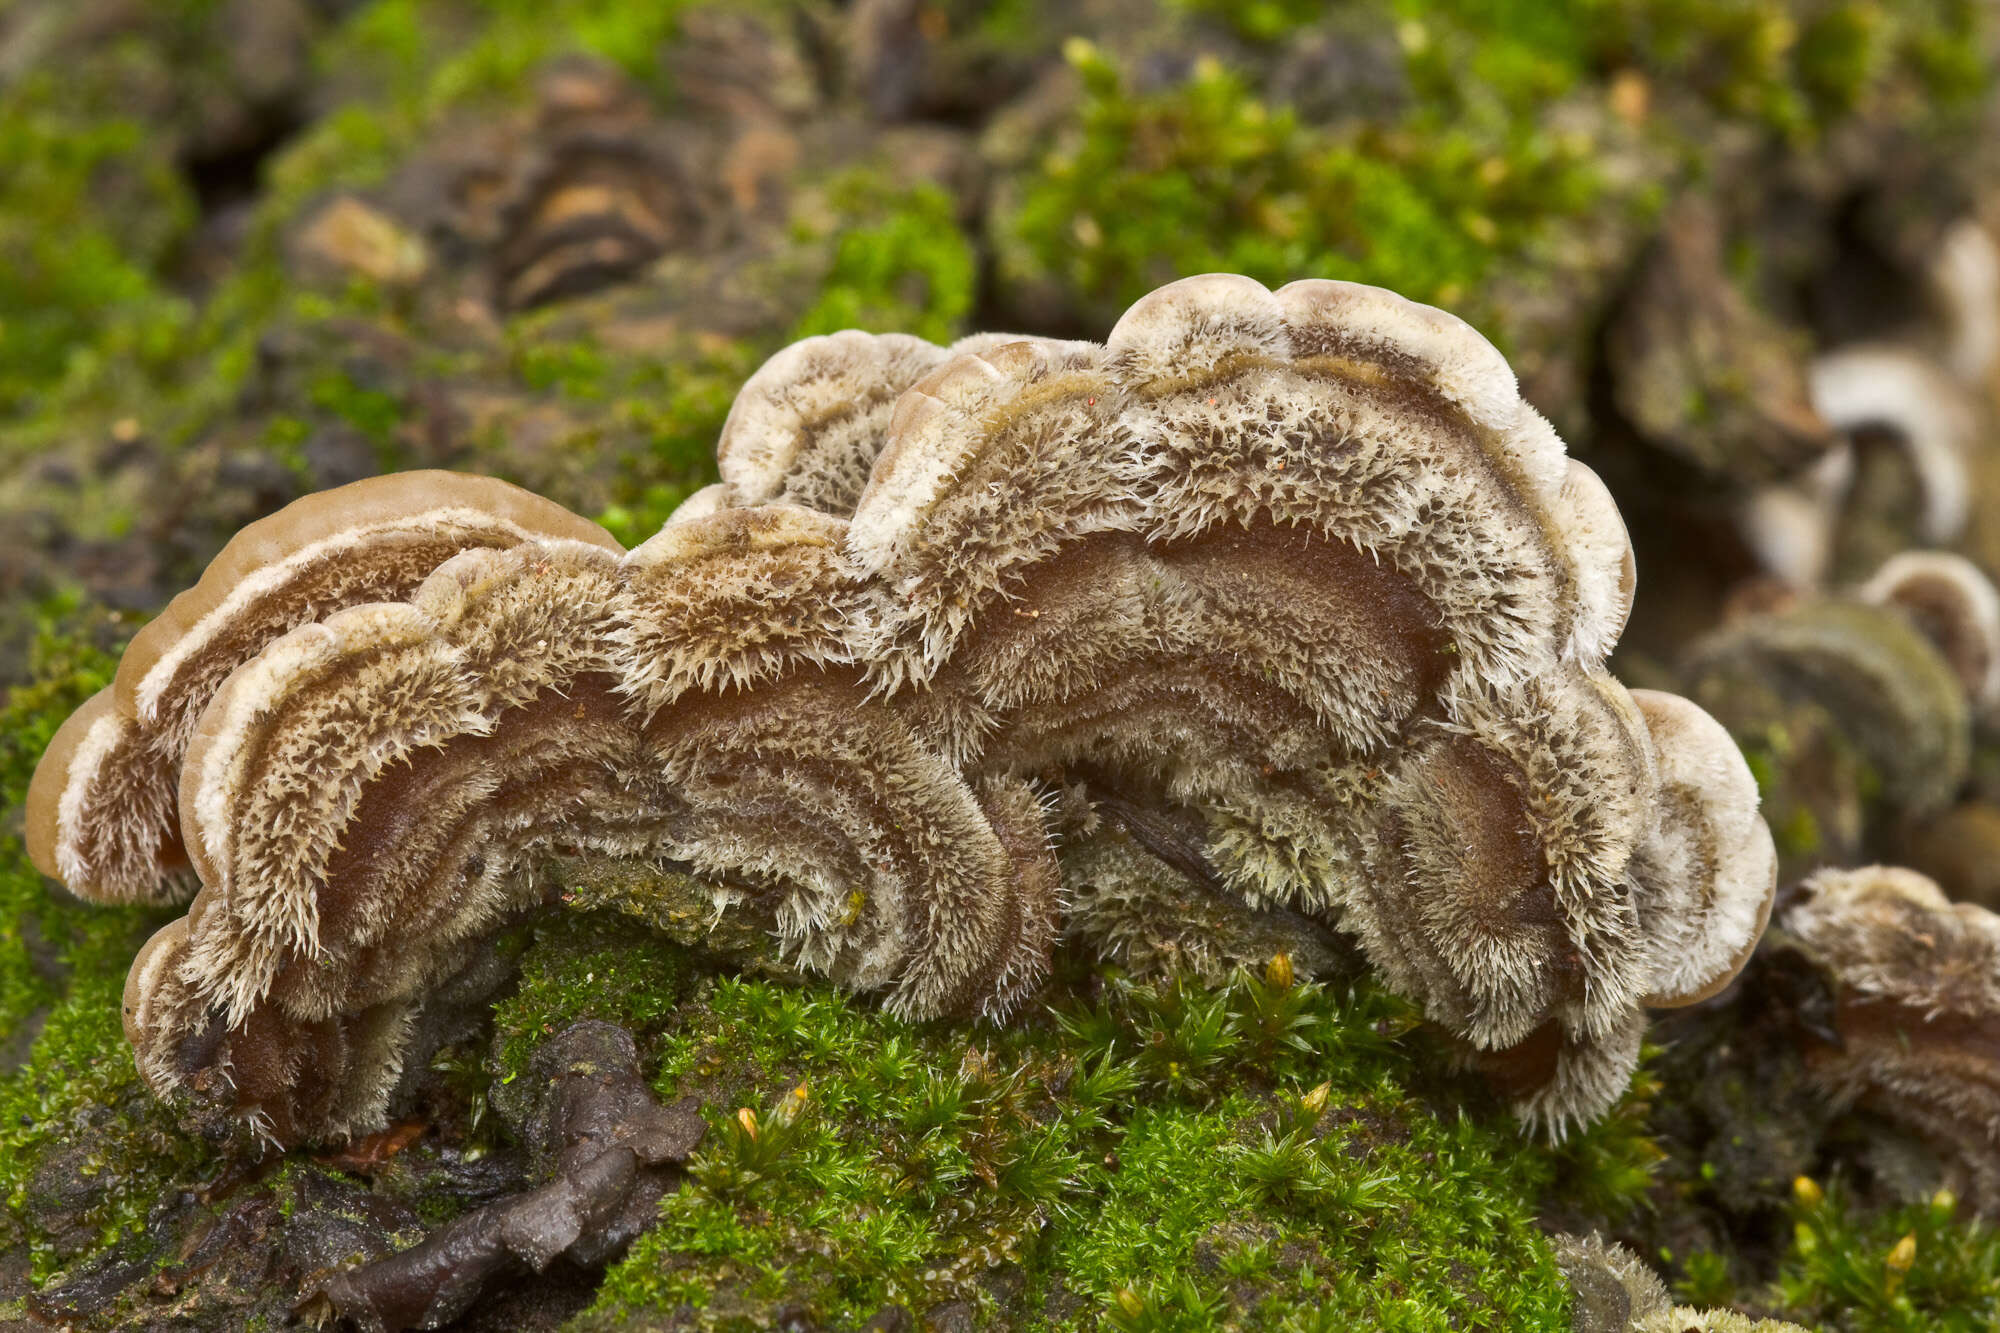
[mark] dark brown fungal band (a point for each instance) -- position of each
(1296, 576)
(101, 807)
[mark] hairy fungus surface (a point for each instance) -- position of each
(1295, 576)
(101, 812)
(362, 798)
(1613, 1291)
(1916, 983)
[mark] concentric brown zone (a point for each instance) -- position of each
(921, 840)
(296, 1076)
(1938, 1074)
(420, 861)
(372, 540)
(1400, 396)
(141, 838)
(1460, 868)
(1063, 689)
(431, 829)
(1070, 618)
(1520, 1071)
(1167, 711)
(1328, 604)
(1909, 1030)
(1394, 933)
(1403, 381)
(1477, 795)
(293, 793)
(1027, 472)
(1072, 656)
(395, 565)
(812, 725)
(1027, 917)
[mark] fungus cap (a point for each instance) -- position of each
(1915, 980)
(1930, 412)
(1709, 865)
(99, 808)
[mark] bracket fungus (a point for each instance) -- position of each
(1917, 1010)
(1931, 416)
(1910, 415)
(101, 813)
(1873, 692)
(1298, 570)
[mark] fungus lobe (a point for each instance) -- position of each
(100, 811)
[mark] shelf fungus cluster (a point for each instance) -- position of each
(1295, 573)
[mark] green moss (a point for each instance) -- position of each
(84, 1150)
(1707, 1281)
(1795, 66)
(425, 57)
(1471, 177)
(90, 206)
(1259, 20)
(1206, 176)
(407, 65)
(1153, 1158)
(911, 271)
(67, 670)
(1798, 835)
(374, 412)
(665, 408)
(873, 254)
(1916, 1267)
(578, 966)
